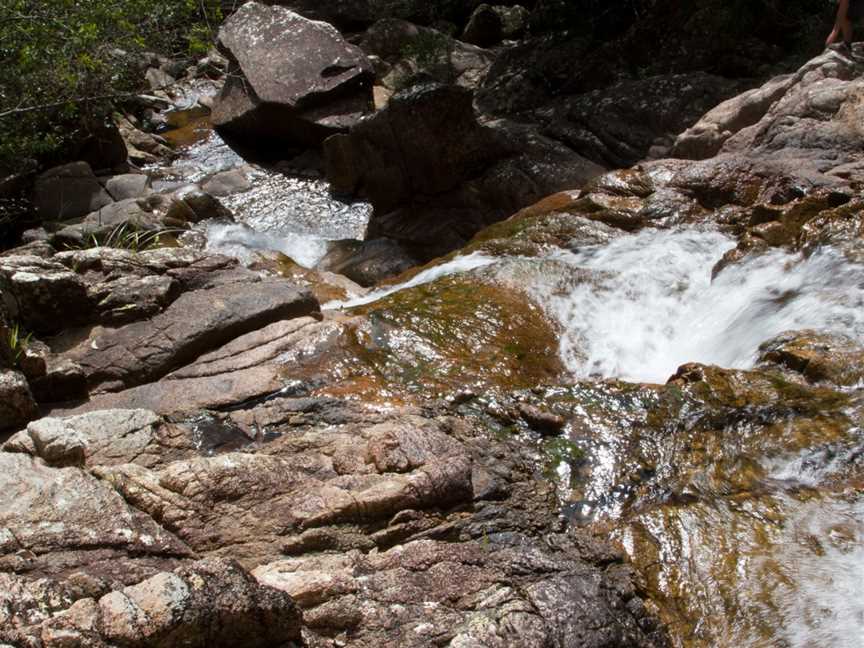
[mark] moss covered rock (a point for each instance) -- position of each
(731, 491)
(477, 331)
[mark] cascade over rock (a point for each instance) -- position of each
(272, 92)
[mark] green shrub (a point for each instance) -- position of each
(17, 341)
(63, 63)
(428, 49)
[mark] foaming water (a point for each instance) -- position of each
(456, 266)
(650, 305)
(827, 608)
(276, 211)
(654, 306)
(244, 243)
(821, 597)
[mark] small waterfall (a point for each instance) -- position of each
(456, 266)
(243, 243)
(654, 306)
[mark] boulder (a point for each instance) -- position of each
(485, 28)
(819, 357)
(226, 183)
(192, 204)
(42, 295)
(195, 323)
(398, 154)
(367, 262)
(435, 176)
(782, 99)
(63, 381)
(68, 191)
(210, 603)
(17, 406)
(272, 93)
(128, 185)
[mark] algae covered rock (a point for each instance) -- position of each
(818, 356)
(477, 331)
(718, 486)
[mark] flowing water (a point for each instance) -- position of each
(780, 568)
(653, 305)
(279, 210)
(656, 307)
(783, 568)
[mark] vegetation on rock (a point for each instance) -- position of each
(63, 63)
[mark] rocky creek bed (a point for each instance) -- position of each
(610, 408)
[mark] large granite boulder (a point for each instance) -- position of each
(292, 79)
(426, 142)
(781, 114)
(68, 191)
(435, 176)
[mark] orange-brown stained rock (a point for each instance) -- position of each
(460, 332)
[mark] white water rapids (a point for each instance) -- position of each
(654, 307)
(657, 308)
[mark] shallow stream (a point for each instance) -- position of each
(781, 566)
